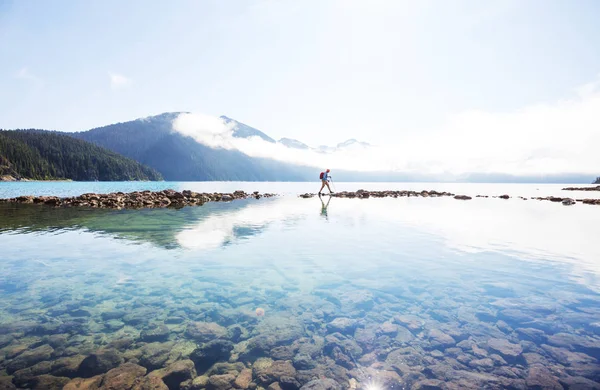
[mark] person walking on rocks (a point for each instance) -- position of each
(325, 177)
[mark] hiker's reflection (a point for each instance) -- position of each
(324, 206)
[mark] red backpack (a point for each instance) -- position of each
(321, 175)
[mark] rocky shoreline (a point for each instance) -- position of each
(364, 194)
(597, 188)
(137, 199)
(176, 199)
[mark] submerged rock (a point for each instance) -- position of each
(210, 353)
(274, 372)
(156, 333)
(30, 357)
(322, 384)
(221, 382)
(205, 331)
(505, 348)
(48, 382)
(100, 362)
(176, 373)
(244, 379)
(123, 377)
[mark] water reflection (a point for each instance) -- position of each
(398, 293)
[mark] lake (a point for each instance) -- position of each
(288, 293)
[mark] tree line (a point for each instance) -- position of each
(47, 155)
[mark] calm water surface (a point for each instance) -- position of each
(378, 293)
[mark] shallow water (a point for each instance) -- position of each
(390, 293)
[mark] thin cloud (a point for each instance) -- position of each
(555, 138)
(118, 81)
(25, 74)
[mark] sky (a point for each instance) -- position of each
(513, 84)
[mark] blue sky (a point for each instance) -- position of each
(318, 71)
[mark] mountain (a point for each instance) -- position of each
(352, 143)
(43, 155)
(597, 180)
(293, 143)
(241, 130)
(153, 142)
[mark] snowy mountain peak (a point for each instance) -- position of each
(293, 143)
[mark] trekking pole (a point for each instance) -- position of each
(334, 189)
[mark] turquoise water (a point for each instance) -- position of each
(375, 294)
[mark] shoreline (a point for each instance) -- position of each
(136, 199)
(176, 199)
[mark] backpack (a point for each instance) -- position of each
(321, 175)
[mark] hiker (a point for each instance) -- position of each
(325, 181)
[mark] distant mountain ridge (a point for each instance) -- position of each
(44, 155)
(597, 180)
(153, 142)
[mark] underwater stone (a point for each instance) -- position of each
(5, 340)
(437, 338)
(322, 384)
(539, 377)
(29, 358)
(205, 331)
(274, 386)
(123, 377)
(485, 363)
(221, 382)
(67, 366)
(429, 384)
(48, 382)
(92, 383)
(304, 362)
(113, 325)
(505, 348)
(6, 383)
(112, 315)
(22, 377)
(174, 320)
(154, 355)
(210, 353)
(388, 328)
(150, 383)
(566, 357)
(99, 362)
(274, 372)
(343, 325)
(284, 352)
(176, 373)
(157, 333)
(243, 379)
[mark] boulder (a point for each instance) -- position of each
(221, 382)
(205, 331)
(322, 384)
(210, 353)
(538, 377)
(437, 338)
(462, 197)
(176, 373)
(92, 383)
(30, 357)
(150, 382)
(244, 379)
(99, 362)
(156, 333)
(123, 377)
(505, 348)
(274, 372)
(343, 325)
(155, 355)
(48, 382)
